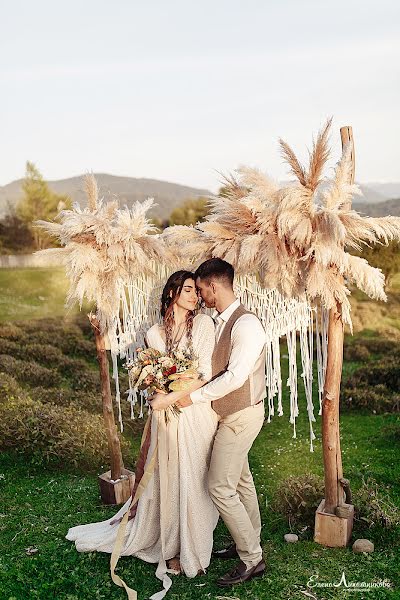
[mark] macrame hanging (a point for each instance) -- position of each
(139, 310)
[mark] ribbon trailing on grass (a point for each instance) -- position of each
(166, 448)
(116, 553)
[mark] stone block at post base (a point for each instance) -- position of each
(331, 530)
(116, 492)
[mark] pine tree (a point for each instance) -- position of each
(190, 212)
(39, 202)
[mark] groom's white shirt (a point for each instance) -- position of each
(248, 339)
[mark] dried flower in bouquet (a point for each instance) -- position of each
(155, 371)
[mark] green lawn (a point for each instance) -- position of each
(33, 293)
(38, 505)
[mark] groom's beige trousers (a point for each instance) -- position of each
(230, 481)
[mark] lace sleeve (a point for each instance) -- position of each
(204, 342)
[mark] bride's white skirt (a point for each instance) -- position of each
(175, 515)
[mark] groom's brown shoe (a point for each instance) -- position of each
(226, 553)
(239, 574)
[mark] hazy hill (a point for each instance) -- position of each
(379, 209)
(127, 189)
(370, 194)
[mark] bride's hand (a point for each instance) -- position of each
(159, 401)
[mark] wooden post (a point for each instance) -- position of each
(330, 410)
(334, 518)
(346, 135)
(116, 484)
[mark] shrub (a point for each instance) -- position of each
(67, 397)
(10, 347)
(9, 386)
(380, 345)
(361, 348)
(385, 371)
(41, 353)
(374, 387)
(11, 331)
(374, 507)
(297, 498)
(67, 337)
(84, 325)
(89, 401)
(76, 345)
(42, 335)
(49, 325)
(392, 431)
(356, 352)
(44, 353)
(71, 366)
(376, 399)
(29, 371)
(85, 380)
(55, 435)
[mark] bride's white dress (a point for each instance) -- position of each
(175, 515)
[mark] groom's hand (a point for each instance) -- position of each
(183, 402)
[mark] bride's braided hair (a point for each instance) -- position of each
(175, 284)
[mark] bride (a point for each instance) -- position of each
(173, 521)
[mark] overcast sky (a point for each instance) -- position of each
(179, 90)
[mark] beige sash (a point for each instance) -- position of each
(166, 449)
(116, 553)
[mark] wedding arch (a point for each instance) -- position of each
(288, 245)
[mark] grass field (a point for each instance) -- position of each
(39, 507)
(33, 293)
(40, 504)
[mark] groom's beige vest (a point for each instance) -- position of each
(254, 388)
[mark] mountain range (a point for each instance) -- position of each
(127, 189)
(378, 198)
(379, 209)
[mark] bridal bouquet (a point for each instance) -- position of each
(157, 372)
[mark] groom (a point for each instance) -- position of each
(237, 392)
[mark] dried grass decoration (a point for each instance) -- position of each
(103, 247)
(293, 238)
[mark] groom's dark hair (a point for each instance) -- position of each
(216, 268)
